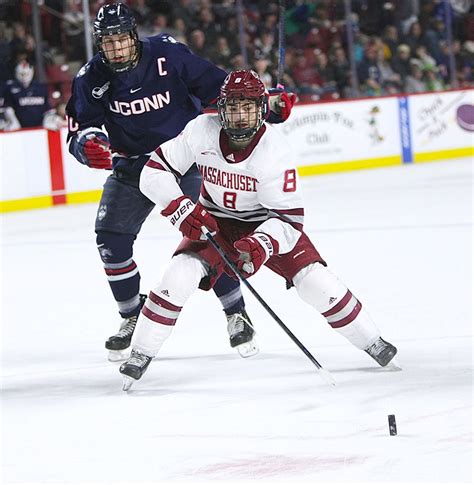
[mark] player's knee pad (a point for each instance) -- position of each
(180, 279)
(164, 303)
(114, 247)
(319, 287)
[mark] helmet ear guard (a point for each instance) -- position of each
(114, 19)
(243, 85)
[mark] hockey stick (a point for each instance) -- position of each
(281, 43)
(325, 375)
(242, 43)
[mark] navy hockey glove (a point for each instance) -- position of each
(189, 218)
(94, 149)
(281, 102)
(255, 250)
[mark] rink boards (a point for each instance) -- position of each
(38, 171)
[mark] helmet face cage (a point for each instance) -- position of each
(241, 117)
(242, 105)
(117, 19)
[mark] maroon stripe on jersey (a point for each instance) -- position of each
(339, 306)
(151, 163)
(163, 166)
(158, 318)
(252, 214)
(285, 215)
(163, 303)
(127, 269)
(350, 318)
(160, 153)
(296, 225)
(167, 165)
(292, 212)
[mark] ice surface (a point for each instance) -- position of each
(401, 238)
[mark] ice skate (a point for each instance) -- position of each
(382, 352)
(118, 344)
(133, 369)
(241, 334)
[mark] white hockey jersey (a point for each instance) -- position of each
(259, 183)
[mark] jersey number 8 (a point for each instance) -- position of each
(229, 199)
(289, 184)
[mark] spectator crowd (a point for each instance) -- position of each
(398, 46)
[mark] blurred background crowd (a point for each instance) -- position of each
(334, 48)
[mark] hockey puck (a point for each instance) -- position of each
(392, 425)
(465, 117)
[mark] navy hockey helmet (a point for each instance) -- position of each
(121, 52)
(242, 104)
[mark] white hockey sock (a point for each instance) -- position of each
(320, 288)
(164, 303)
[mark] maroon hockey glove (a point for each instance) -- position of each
(281, 102)
(97, 152)
(286, 103)
(189, 218)
(254, 251)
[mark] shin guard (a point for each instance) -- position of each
(164, 303)
(320, 288)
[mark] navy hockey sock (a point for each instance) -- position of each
(228, 291)
(122, 272)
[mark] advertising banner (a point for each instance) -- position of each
(441, 123)
(354, 131)
(38, 171)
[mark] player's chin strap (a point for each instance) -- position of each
(325, 375)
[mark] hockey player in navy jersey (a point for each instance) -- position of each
(143, 92)
(8, 120)
(27, 97)
(251, 199)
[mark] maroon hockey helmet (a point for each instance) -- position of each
(242, 85)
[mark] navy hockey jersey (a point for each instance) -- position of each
(29, 104)
(148, 105)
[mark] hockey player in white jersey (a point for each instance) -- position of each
(251, 199)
